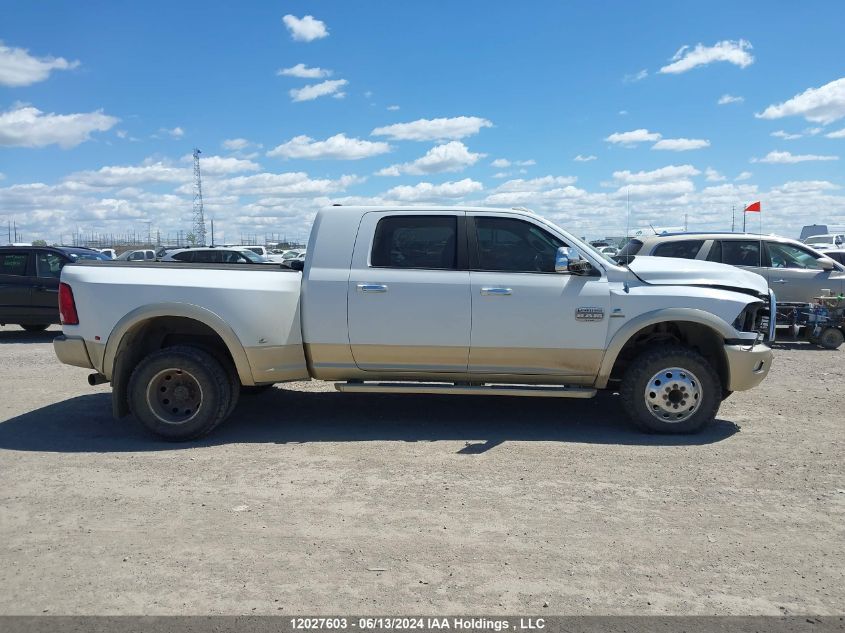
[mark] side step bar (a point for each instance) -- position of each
(466, 390)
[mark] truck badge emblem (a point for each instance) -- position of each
(589, 314)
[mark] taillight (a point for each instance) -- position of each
(67, 306)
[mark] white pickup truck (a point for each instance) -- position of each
(421, 300)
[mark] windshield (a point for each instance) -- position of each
(255, 259)
(628, 251)
(819, 239)
(95, 256)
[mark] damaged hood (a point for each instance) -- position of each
(670, 271)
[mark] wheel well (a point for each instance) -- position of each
(695, 336)
(155, 334)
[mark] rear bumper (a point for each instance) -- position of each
(72, 351)
(747, 366)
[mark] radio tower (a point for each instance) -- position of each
(199, 218)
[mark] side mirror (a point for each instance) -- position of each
(826, 263)
(297, 264)
(562, 260)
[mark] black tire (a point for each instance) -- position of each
(654, 410)
(35, 327)
(831, 338)
(254, 390)
(196, 381)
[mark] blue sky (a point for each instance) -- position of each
(101, 102)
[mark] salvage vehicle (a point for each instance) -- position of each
(796, 272)
(432, 300)
(29, 282)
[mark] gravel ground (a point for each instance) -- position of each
(309, 501)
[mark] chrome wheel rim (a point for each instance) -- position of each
(673, 395)
(174, 396)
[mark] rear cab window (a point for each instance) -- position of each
(426, 242)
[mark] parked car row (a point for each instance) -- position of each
(29, 275)
(795, 272)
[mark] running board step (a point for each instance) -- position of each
(466, 390)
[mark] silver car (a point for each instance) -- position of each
(795, 272)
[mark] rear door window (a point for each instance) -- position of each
(685, 249)
(13, 264)
(416, 242)
(741, 253)
(184, 257)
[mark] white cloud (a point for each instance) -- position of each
(776, 157)
(634, 77)
(536, 184)
(304, 72)
(216, 165)
(393, 108)
(806, 186)
(338, 147)
(785, 135)
(434, 129)
(681, 144)
(671, 189)
(668, 173)
(501, 163)
(289, 184)
(584, 159)
(452, 156)
(305, 29)
(26, 126)
(836, 134)
(726, 99)
(732, 51)
(236, 144)
(19, 68)
(634, 136)
(813, 131)
(746, 175)
(711, 175)
(819, 105)
(428, 191)
(323, 89)
(176, 132)
(132, 175)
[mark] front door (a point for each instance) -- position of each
(45, 292)
(408, 295)
(796, 275)
(527, 319)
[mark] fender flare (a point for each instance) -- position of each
(666, 315)
(184, 310)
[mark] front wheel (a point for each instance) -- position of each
(671, 389)
(180, 393)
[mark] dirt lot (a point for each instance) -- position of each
(312, 501)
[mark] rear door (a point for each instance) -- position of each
(15, 285)
(45, 292)
(408, 295)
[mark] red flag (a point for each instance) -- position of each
(754, 206)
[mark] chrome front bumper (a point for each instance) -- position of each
(748, 366)
(72, 351)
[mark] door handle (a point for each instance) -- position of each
(372, 287)
(496, 291)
